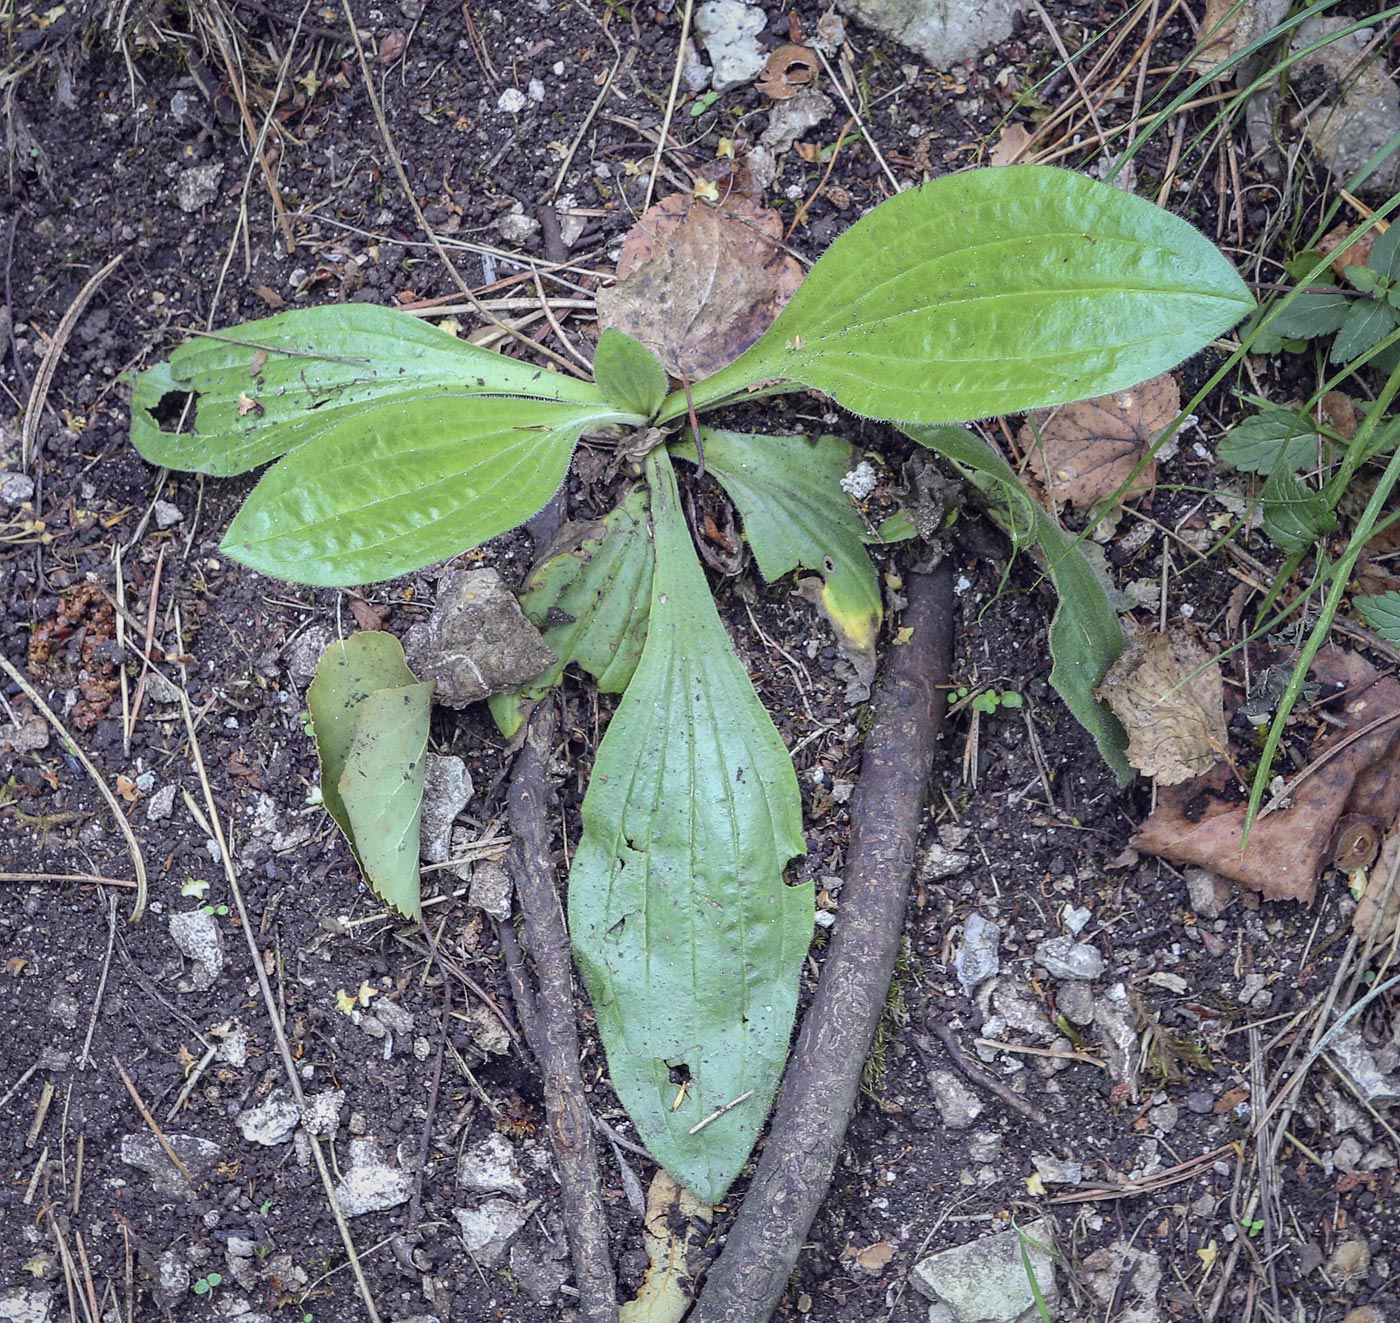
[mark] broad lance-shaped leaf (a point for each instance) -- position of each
(1085, 635)
(688, 938)
(628, 374)
(788, 490)
(589, 596)
(392, 487)
(264, 388)
(370, 717)
(989, 292)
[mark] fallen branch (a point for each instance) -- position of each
(819, 1090)
(551, 1031)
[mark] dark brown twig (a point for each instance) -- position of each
(974, 1073)
(823, 1076)
(553, 1035)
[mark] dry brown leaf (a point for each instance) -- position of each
(1353, 780)
(1228, 26)
(698, 284)
(1010, 146)
(1086, 451)
(876, 1257)
(1377, 917)
(789, 69)
(1346, 251)
(1168, 693)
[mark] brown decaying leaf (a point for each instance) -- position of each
(1011, 145)
(1168, 693)
(1228, 26)
(1086, 451)
(698, 284)
(1346, 251)
(1202, 822)
(1377, 916)
(789, 69)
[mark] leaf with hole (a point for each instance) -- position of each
(1014, 288)
(392, 487)
(788, 492)
(589, 596)
(267, 386)
(689, 940)
(370, 719)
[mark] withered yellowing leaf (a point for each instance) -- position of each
(1084, 452)
(1168, 693)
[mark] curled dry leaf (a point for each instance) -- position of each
(1345, 251)
(789, 69)
(875, 1258)
(1354, 780)
(1011, 145)
(698, 284)
(1168, 693)
(1084, 452)
(1377, 917)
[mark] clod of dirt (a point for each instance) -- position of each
(1082, 453)
(985, 1281)
(321, 1116)
(1352, 779)
(200, 941)
(271, 1122)
(199, 185)
(1114, 1018)
(1063, 957)
(699, 283)
(1350, 1052)
(489, 1167)
(790, 119)
(1362, 116)
(958, 1104)
(1209, 894)
(371, 1185)
(1123, 1277)
(172, 1281)
(447, 788)
(16, 489)
(476, 642)
(978, 957)
(1075, 1001)
(728, 30)
(944, 34)
(143, 1151)
(491, 889)
(489, 1229)
(1168, 693)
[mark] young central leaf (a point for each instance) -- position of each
(689, 940)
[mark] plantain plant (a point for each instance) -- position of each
(984, 293)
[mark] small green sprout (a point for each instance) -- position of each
(206, 1284)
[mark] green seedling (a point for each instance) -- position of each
(205, 1285)
(196, 887)
(987, 701)
(984, 293)
(216, 911)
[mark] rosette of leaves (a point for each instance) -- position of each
(396, 445)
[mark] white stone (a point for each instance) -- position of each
(371, 1185)
(512, 101)
(489, 1228)
(985, 1281)
(271, 1122)
(729, 30)
(489, 1167)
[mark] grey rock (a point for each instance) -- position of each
(30, 735)
(160, 690)
(143, 1151)
(944, 32)
(985, 1280)
(491, 889)
(1165, 1117)
(940, 862)
(1057, 1171)
(1346, 1157)
(539, 1272)
(16, 489)
(477, 641)
(1113, 1017)
(200, 941)
(489, 1167)
(728, 30)
(1350, 1052)
(1126, 1281)
(371, 1184)
(1063, 957)
(490, 1227)
(1014, 1004)
(1075, 1001)
(198, 186)
(304, 652)
(695, 73)
(321, 1116)
(1076, 918)
(167, 514)
(977, 959)
(984, 1145)
(447, 787)
(957, 1103)
(1210, 896)
(26, 1304)
(394, 1017)
(161, 805)
(1363, 114)
(516, 227)
(64, 1008)
(172, 1280)
(271, 1122)
(1200, 1101)
(789, 120)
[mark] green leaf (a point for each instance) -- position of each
(689, 940)
(264, 388)
(396, 486)
(628, 374)
(1310, 315)
(994, 291)
(1295, 516)
(1385, 254)
(1362, 278)
(370, 718)
(1367, 323)
(788, 491)
(1085, 635)
(1382, 612)
(590, 596)
(1274, 440)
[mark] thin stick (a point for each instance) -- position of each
(279, 1033)
(95, 879)
(133, 848)
(981, 1078)
(85, 1060)
(670, 103)
(150, 1120)
(29, 427)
